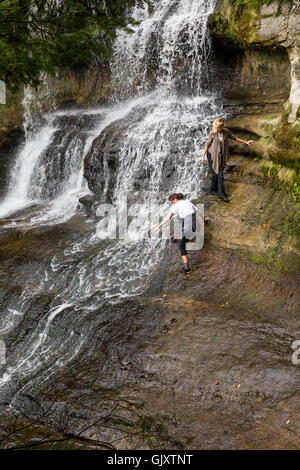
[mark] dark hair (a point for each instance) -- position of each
(178, 196)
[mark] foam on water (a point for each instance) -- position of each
(166, 124)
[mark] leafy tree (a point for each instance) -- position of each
(42, 35)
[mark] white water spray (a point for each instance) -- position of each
(163, 124)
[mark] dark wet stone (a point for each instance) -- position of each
(206, 354)
(8, 152)
(231, 167)
(88, 202)
(64, 153)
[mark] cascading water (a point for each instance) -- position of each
(162, 113)
(169, 51)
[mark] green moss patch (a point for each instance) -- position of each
(237, 19)
(288, 263)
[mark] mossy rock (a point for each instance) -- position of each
(279, 262)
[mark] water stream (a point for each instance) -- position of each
(162, 111)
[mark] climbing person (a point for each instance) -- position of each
(187, 212)
(217, 150)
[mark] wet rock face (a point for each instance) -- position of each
(204, 353)
(11, 115)
(60, 159)
(284, 29)
(84, 85)
(88, 203)
(115, 145)
(261, 222)
(257, 54)
(214, 365)
(253, 80)
(8, 151)
(101, 163)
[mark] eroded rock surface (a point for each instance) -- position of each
(208, 355)
(262, 57)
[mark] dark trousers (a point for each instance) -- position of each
(217, 180)
(189, 223)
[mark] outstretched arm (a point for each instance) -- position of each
(164, 221)
(247, 142)
(234, 137)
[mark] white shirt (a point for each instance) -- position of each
(183, 208)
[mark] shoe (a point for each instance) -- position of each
(224, 198)
(186, 270)
(213, 193)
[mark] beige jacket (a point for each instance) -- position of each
(213, 146)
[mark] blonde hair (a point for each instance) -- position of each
(219, 122)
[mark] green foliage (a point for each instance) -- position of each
(236, 22)
(287, 136)
(291, 188)
(42, 35)
(152, 430)
(286, 263)
(288, 110)
(281, 213)
(269, 128)
(296, 187)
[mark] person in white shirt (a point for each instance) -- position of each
(187, 212)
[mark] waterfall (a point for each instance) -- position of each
(162, 112)
(169, 51)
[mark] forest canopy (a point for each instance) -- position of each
(43, 35)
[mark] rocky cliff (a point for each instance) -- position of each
(205, 360)
(245, 282)
(257, 64)
(86, 85)
(262, 35)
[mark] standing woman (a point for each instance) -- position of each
(187, 212)
(217, 149)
